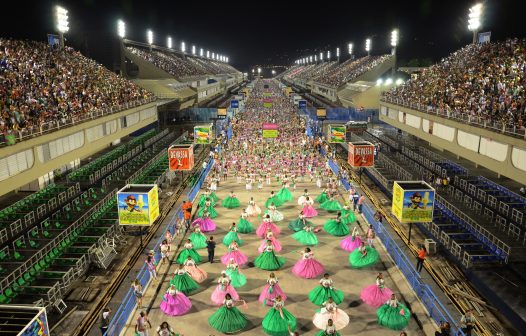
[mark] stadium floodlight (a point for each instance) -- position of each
(349, 47)
(389, 81)
(328, 55)
(213, 55)
(273, 72)
(474, 20)
(399, 81)
(338, 52)
(394, 38)
(310, 58)
(379, 81)
(193, 50)
(149, 36)
(183, 47)
(61, 17)
(316, 58)
(121, 29)
(368, 46)
(169, 42)
(259, 71)
(253, 70)
(227, 59)
(208, 54)
(321, 56)
(201, 52)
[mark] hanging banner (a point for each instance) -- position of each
(221, 112)
(270, 130)
(234, 103)
(203, 134)
(336, 133)
(38, 326)
(413, 201)
(361, 154)
(321, 113)
(181, 157)
(302, 104)
(138, 204)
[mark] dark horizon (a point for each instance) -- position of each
(276, 34)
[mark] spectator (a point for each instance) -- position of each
(370, 236)
(187, 213)
(150, 264)
(361, 201)
(422, 252)
(105, 320)
(467, 322)
(137, 291)
(445, 329)
(140, 326)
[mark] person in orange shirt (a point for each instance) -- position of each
(187, 212)
(422, 252)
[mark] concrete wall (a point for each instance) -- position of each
(500, 153)
(36, 157)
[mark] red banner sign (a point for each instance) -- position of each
(181, 157)
(361, 154)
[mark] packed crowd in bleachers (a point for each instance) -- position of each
(179, 67)
(483, 83)
(350, 70)
(39, 83)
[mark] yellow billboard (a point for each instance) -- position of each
(413, 201)
(138, 204)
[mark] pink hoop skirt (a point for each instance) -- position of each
(268, 294)
(309, 211)
(374, 296)
(196, 273)
(206, 224)
(262, 229)
(308, 268)
(238, 256)
(349, 245)
(218, 295)
(174, 305)
(275, 243)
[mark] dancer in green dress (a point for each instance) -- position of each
(299, 223)
(208, 207)
(273, 199)
(306, 236)
(188, 251)
(336, 227)
(182, 281)
(244, 226)
(232, 236)
(363, 256)
(268, 259)
(348, 215)
(237, 278)
(331, 205)
(197, 238)
(278, 321)
(322, 197)
(393, 314)
(228, 319)
(284, 194)
(231, 202)
(321, 293)
(204, 197)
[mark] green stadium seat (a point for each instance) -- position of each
(18, 256)
(47, 234)
(4, 299)
(3, 256)
(10, 293)
(33, 244)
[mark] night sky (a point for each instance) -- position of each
(266, 32)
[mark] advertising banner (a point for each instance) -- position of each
(38, 325)
(221, 112)
(336, 133)
(361, 154)
(270, 130)
(138, 204)
(234, 103)
(203, 134)
(302, 104)
(267, 105)
(181, 157)
(321, 113)
(413, 201)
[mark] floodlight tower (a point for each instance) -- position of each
(193, 50)
(149, 36)
(338, 54)
(394, 44)
(349, 48)
(62, 23)
(321, 57)
(201, 52)
(169, 42)
(474, 20)
(368, 46)
(121, 31)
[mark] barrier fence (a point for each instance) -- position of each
(126, 308)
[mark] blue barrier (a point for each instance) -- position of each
(436, 309)
(121, 316)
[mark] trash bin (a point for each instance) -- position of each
(431, 246)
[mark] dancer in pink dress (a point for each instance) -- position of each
(377, 294)
(233, 252)
(275, 242)
(308, 209)
(265, 226)
(252, 208)
(205, 223)
(195, 272)
(223, 287)
(352, 242)
(271, 291)
(175, 302)
(308, 267)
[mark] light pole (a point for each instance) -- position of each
(201, 52)
(121, 31)
(169, 42)
(321, 57)
(61, 20)
(149, 36)
(193, 50)
(259, 72)
(475, 14)
(368, 46)
(338, 54)
(394, 43)
(349, 47)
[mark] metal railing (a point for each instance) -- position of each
(466, 118)
(54, 125)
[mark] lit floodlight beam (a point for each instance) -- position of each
(368, 46)
(208, 54)
(121, 29)
(169, 42)
(149, 36)
(213, 55)
(259, 70)
(338, 52)
(328, 55)
(193, 50)
(474, 19)
(310, 58)
(227, 59)
(183, 47)
(394, 38)
(349, 48)
(201, 52)
(62, 19)
(316, 58)
(321, 56)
